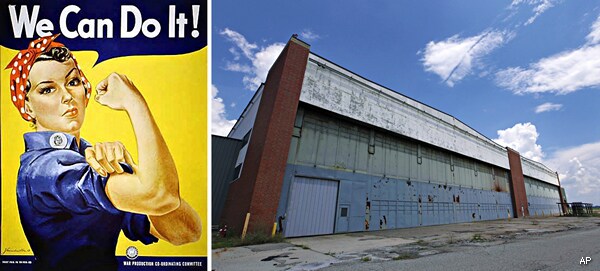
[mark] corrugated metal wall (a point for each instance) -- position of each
(385, 180)
(224, 154)
(329, 142)
(541, 197)
(311, 208)
(375, 203)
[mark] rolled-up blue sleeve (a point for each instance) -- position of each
(137, 228)
(64, 181)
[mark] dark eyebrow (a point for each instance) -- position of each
(70, 73)
(43, 82)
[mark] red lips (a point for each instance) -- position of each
(71, 112)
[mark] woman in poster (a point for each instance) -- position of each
(74, 198)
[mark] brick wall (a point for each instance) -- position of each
(560, 194)
(258, 189)
(517, 184)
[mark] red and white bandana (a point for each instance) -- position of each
(21, 66)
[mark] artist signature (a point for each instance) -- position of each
(13, 250)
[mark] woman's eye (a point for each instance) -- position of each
(74, 82)
(46, 90)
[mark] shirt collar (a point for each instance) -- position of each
(53, 140)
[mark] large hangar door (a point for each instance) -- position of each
(311, 210)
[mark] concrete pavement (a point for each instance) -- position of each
(566, 250)
(379, 248)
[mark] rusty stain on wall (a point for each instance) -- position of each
(367, 214)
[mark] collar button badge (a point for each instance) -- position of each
(58, 140)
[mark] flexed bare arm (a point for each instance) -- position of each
(153, 188)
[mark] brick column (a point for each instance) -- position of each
(517, 184)
(561, 200)
(258, 189)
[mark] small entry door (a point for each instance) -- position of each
(343, 221)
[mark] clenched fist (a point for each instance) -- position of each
(118, 92)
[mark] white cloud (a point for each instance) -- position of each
(261, 63)
(594, 36)
(522, 138)
(579, 171)
(454, 58)
(578, 167)
(220, 124)
(261, 59)
(539, 7)
(237, 67)
(235, 53)
(308, 35)
(562, 73)
(240, 41)
(547, 107)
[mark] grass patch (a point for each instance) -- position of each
(451, 239)
(366, 259)
(404, 256)
(302, 246)
(251, 239)
(421, 243)
(477, 238)
(596, 211)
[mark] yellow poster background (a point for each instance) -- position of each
(175, 89)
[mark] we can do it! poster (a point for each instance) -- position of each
(103, 135)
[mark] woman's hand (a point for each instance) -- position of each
(105, 157)
(118, 92)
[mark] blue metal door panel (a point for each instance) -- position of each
(311, 209)
(343, 218)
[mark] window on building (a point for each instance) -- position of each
(344, 212)
(236, 173)
(246, 138)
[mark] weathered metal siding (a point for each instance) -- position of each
(538, 171)
(388, 181)
(376, 203)
(335, 89)
(224, 153)
(330, 142)
(541, 197)
(311, 208)
(245, 123)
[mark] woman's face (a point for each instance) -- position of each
(56, 98)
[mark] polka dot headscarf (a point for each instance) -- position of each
(21, 66)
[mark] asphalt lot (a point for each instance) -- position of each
(551, 243)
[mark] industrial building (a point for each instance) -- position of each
(322, 150)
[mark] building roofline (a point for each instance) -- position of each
(294, 38)
(237, 122)
(412, 99)
(224, 137)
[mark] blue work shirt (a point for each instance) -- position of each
(67, 217)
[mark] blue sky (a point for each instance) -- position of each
(524, 73)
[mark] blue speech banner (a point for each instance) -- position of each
(110, 27)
